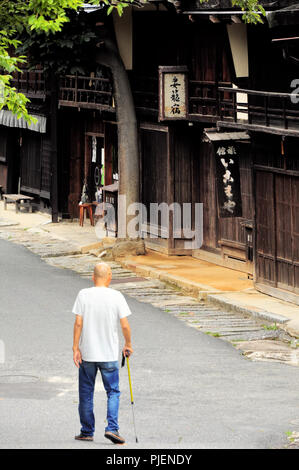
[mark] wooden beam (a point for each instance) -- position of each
(257, 128)
(282, 294)
(236, 19)
(214, 19)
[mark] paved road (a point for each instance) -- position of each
(191, 390)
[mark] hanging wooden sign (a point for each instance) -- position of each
(228, 179)
(173, 93)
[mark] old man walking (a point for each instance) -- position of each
(98, 310)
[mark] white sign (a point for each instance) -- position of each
(94, 149)
(174, 95)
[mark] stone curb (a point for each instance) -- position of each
(57, 254)
(233, 306)
(198, 290)
(86, 248)
(202, 292)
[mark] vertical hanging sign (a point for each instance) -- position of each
(94, 149)
(173, 93)
(228, 179)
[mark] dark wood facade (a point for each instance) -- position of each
(263, 242)
(169, 175)
(80, 130)
(26, 160)
(174, 153)
(178, 159)
(277, 186)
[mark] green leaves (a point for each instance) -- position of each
(43, 21)
(117, 5)
(14, 101)
(253, 10)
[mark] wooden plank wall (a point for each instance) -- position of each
(74, 153)
(208, 196)
(186, 178)
(46, 167)
(203, 47)
(277, 213)
(31, 161)
(154, 164)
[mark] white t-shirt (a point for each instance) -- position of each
(101, 309)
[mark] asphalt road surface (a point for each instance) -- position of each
(190, 390)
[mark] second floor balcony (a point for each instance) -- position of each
(31, 83)
(79, 91)
(219, 103)
(227, 106)
(86, 92)
(271, 112)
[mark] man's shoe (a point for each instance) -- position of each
(114, 437)
(81, 437)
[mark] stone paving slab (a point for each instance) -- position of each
(7, 223)
(252, 336)
(269, 351)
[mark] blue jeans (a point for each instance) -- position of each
(87, 377)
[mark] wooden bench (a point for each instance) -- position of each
(20, 200)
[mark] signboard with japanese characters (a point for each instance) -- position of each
(173, 93)
(228, 179)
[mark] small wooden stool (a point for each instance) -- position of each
(88, 208)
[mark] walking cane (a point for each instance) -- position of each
(130, 384)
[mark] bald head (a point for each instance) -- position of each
(102, 274)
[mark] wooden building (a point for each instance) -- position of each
(73, 144)
(231, 143)
(25, 152)
(239, 104)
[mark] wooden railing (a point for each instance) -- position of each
(208, 100)
(74, 90)
(204, 99)
(259, 109)
(145, 93)
(30, 82)
(86, 92)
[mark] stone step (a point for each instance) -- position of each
(190, 308)
(207, 315)
(157, 292)
(223, 330)
(219, 322)
(253, 336)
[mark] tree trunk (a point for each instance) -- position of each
(128, 159)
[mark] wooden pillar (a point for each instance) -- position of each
(54, 161)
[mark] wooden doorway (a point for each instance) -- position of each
(94, 164)
(277, 230)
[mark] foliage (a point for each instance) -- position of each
(49, 17)
(253, 10)
(33, 17)
(68, 51)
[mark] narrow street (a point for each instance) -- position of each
(160, 137)
(191, 389)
